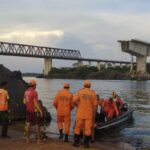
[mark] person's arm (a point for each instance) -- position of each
(55, 102)
(7, 96)
(95, 103)
(76, 99)
(116, 109)
(24, 99)
(36, 104)
(71, 102)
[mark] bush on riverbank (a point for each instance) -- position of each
(87, 72)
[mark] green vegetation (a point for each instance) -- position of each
(87, 72)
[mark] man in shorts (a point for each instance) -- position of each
(32, 109)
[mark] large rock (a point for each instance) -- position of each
(16, 88)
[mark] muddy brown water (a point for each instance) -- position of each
(135, 135)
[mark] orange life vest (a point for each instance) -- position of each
(3, 100)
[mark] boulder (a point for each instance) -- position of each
(16, 88)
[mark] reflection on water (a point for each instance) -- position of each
(136, 93)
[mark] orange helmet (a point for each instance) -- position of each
(66, 85)
(87, 83)
(32, 82)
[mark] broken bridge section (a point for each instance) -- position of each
(138, 48)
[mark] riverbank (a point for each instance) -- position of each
(17, 142)
(87, 72)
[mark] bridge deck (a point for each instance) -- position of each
(14, 49)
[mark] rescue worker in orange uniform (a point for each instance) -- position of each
(4, 97)
(86, 101)
(32, 110)
(110, 109)
(63, 103)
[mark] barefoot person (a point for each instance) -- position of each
(32, 107)
(86, 102)
(4, 109)
(63, 103)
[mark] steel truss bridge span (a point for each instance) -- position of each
(13, 49)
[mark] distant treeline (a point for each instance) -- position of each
(86, 72)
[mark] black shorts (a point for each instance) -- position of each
(32, 118)
(4, 120)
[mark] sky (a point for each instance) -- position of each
(91, 26)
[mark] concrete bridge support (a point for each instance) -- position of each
(141, 64)
(80, 63)
(113, 65)
(90, 63)
(121, 65)
(131, 66)
(99, 66)
(106, 65)
(47, 66)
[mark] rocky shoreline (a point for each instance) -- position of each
(16, 89)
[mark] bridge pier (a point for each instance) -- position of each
(106, 65)
(80, 63)
(99, 66)
(121, 65)
(47, 66)
(113, 65)
(90, 63)
(141, 64)
(131, 66)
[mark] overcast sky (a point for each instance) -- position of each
(91, 26)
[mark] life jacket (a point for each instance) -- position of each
(3, 100)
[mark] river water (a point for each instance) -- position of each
(135, 93)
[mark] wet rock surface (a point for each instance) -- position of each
(16, 87)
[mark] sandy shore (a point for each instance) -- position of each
(17, 142)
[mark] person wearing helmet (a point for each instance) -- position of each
(63, 102)
(86, 101)
(118, 100)
(32, 107)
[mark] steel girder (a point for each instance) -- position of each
(14, 49)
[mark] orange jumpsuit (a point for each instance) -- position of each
(110, 108)
(63, 103)
(86, 102)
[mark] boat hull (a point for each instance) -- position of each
(115, 124)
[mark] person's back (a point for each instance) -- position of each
(63, 102)
(29, 96)
(87, 100)
(110, 109)
(107, 104)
